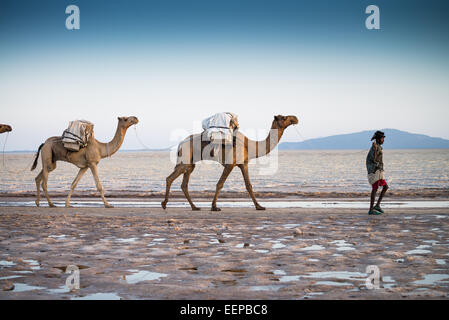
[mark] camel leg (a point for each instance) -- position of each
(81, 172)
(227, 170)
(45, 172)
(38, 180)
(47, 166)
(179, 169)
(244, 168)
(185, 186)
(94, 170)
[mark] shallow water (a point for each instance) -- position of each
(310, 171)
(291, 225)
(278, 245)
(345, 248)
(421, 249)
(289, 278)
(143, 275)
(33, 263)
(388, 282)
(333, 283)
(314, 247)
(344, 275)
(244, 245)
(62, 236)
(342, 245)
(279, 272)
(238, 204)
(61, 289)
(21, 287)
(265, 288)
(98, 296)
(4, 263)
(126, 240)
(10, 277)
(432, 279)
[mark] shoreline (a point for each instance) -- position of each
(406, 194)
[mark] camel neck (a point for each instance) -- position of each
(264, 147)
(111, 147)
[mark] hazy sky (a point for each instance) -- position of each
(173, 63)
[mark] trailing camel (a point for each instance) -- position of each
(53, 150)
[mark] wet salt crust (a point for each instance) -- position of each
(290, 253)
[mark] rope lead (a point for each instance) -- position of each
(140, 141)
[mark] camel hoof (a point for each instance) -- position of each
(260, 208)
(109, 206)
(196, 209)
(164, 205)
(68, 206)
(215, 209)
(51, 205)
(37, 203)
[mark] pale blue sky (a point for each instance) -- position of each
(173, 63)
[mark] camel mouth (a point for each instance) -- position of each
(132, 121)
(294, 120)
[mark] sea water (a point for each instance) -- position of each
(290, 171)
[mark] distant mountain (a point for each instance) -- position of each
(395, 139)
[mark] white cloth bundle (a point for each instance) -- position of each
(75, 136)
(219, 127)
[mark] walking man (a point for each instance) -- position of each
(375, 167)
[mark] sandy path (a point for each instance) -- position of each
(141, 253)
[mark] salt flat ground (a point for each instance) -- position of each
(239, 253)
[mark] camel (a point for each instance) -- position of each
(238, 154)
(5, 128)
(86, 158)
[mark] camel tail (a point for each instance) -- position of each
(37, 157)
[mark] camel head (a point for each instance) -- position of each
(5, 128)
(126, 122)
(283, 122)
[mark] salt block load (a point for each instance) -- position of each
(219, 127)
(76, 135)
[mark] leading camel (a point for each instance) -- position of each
(5, 128)
(87, 158)
(239, 154)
